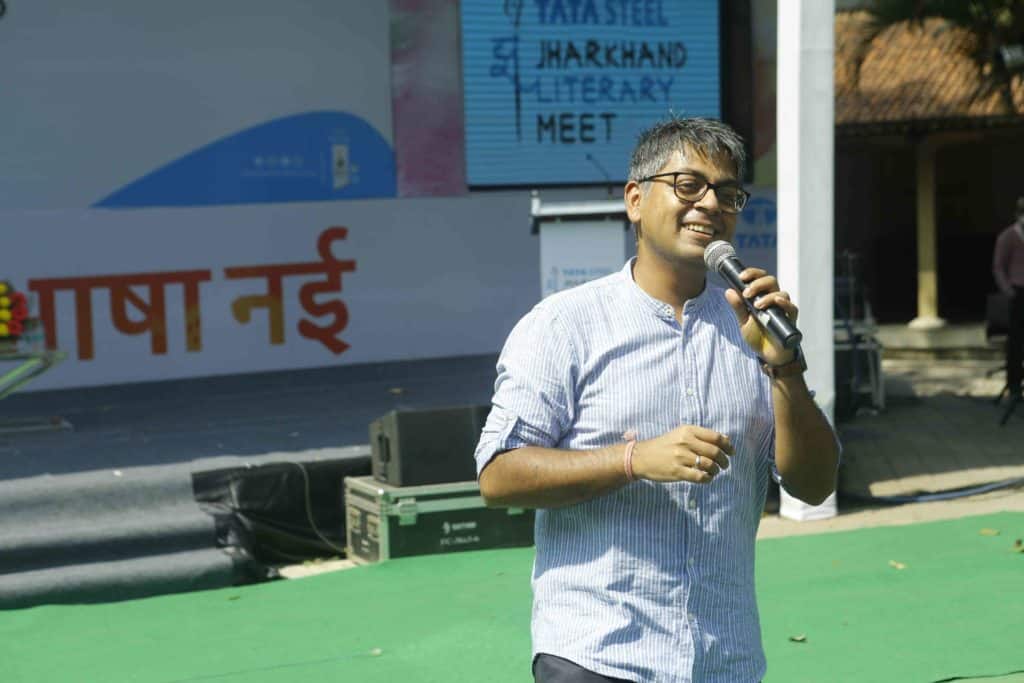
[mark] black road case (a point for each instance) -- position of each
(385, 521)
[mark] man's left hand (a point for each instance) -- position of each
(761, 284)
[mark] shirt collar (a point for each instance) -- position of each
(658, 307)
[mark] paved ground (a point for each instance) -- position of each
(939, 431)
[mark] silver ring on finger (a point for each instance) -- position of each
(696, 463)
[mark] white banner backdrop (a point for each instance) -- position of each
(153, 294)
(97, 96)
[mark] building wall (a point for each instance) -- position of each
(874, 220)
(977, 181)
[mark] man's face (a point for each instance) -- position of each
(677, 231)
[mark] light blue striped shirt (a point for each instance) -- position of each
(654, 581)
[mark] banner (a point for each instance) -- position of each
(226, 290)
(193, 103)
(757, 230)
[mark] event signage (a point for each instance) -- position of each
(149, 310)
(756, 237)
(301, 285)
(557, 90)
(229, 290)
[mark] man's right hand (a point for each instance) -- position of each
(687, 453)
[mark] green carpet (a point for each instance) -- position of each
(956, 608)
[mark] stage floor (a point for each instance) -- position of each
(161, 423)
(925, 602)
(107, 510)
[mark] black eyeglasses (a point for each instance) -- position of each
(690, 187)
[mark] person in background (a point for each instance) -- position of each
(642, 414)
(1008, 270)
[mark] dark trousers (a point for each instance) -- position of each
(552, 669)
(1015, 342)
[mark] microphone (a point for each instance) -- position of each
(720, 257)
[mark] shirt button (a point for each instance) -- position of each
(690, 561)
(692, 504)
(691, 616)
(689, 392)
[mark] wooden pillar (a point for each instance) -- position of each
(927, 262)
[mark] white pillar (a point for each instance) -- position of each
(806, 128)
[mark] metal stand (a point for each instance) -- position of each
(862, 345)
(1014, 400)
(998, 327)
(31, 364)
(1014, 397)
(854, 332)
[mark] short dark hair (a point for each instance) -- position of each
(708, 137)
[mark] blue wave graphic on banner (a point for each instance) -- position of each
(313, 156)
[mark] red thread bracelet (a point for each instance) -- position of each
(627, 461)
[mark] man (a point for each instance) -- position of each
(1008, 270)
(633, 412)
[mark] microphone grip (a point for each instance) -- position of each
(773, 319)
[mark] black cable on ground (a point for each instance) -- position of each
(974, 678)
(930, 496)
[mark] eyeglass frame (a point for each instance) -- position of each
(708, 185)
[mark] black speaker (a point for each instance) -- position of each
(417, 447)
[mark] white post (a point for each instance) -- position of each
(804, 137)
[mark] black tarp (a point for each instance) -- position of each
(280, 512)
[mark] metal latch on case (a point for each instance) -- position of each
(407, 511)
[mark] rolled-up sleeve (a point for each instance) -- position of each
(533, 402)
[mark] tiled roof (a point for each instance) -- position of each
(913, 73)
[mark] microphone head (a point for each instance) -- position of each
(716, 253)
